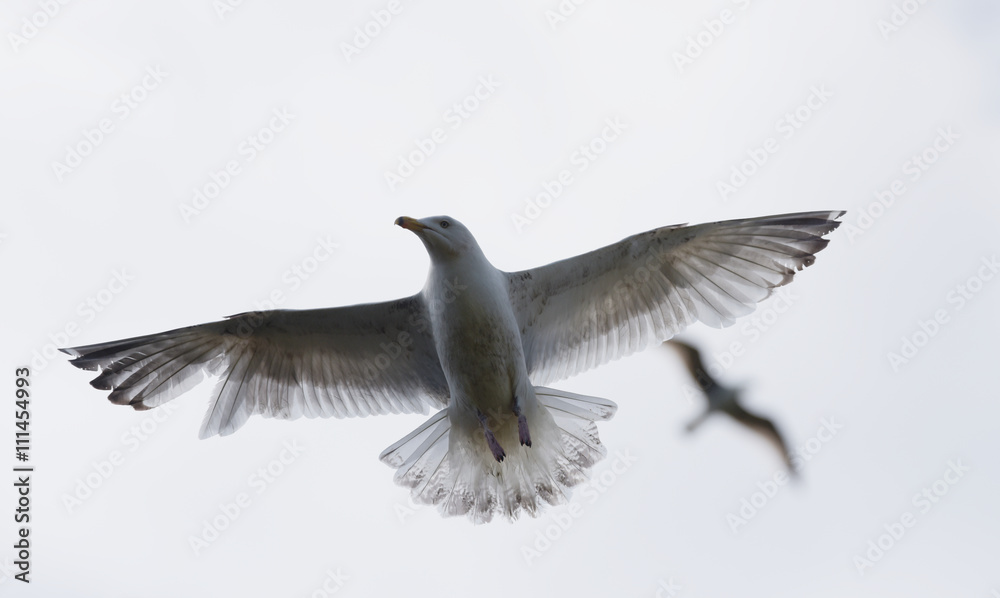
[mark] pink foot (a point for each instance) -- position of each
(495, 447)
(522, 430)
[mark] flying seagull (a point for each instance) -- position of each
(478, 344)
(727, 400)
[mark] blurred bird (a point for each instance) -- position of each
(727, 400)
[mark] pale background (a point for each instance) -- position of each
(335, 508)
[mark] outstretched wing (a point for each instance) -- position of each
(342, 362)
(584, 311)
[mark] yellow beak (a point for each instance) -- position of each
(410, 223)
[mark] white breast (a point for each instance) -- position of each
(476, 334)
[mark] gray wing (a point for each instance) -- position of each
(351, 361)
(581, 312)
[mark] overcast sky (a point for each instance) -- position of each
(166, 165)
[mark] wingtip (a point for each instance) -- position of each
(101, 384)
(117, 398)
(83, 363)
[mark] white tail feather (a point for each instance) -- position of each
(452, 467)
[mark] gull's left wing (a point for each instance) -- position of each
(587, 310)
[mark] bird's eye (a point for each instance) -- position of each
(444, 224)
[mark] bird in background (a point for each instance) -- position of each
(726, 400)
(476, 344)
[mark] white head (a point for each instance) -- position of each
(444, 237)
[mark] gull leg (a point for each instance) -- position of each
(522, 424)
(491, 440)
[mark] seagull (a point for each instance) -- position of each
(476, 344)
(727, 400)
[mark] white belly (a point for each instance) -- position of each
(479, 345)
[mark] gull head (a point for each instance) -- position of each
(444, 237)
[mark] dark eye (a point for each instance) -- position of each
(444, 224)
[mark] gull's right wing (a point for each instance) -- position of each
(350, 361)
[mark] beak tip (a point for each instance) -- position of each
(410, 224)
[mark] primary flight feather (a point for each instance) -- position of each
(478, 344)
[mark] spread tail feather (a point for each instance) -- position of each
(449, 464)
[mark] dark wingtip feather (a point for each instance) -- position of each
(118, 397)
(85, 363)
(101, 383)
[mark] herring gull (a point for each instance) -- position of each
(478, 345)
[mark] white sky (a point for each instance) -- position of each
(334, 508)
